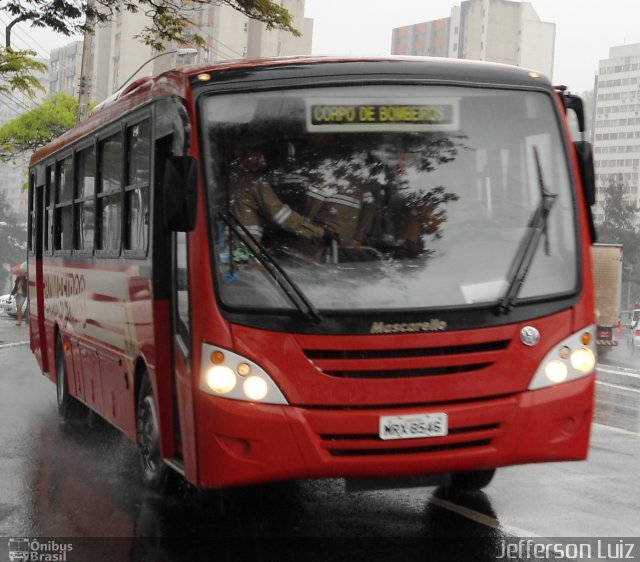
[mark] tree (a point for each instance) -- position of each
(619, 226)
(17, 70)
(169, 19)
(619, 214)
(36, 128)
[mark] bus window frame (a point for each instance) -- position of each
(78, 201)
(128, 123)
(100, 138)
(58, 206)
(49, 207)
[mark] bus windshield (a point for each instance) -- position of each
(387, 197)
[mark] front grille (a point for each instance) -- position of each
(465, 437)
(374, 437)
(409, 450)
(409, 352)
(407, 373)
(406, 363)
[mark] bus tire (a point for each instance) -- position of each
(156, 475)
(472, 480)
(69, 407)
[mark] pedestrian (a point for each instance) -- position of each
(19, 292)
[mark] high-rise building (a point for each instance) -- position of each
(616, 131)
(489, 30)
(113, 55)
(64, 69)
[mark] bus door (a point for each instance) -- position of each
(36, 301)
(182, 338)
(170, 263)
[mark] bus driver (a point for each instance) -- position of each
(255, 203)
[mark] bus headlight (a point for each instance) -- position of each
(556, 371)
(583, 360)
(255, 388)
(229, 375)
(570, 359)
(221, 379)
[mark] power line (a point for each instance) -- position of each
(226, 47)
(204, 30)
(17, 101)
(10, 106)
(13, 102)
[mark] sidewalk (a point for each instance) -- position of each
(10, 334)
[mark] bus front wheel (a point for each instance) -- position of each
(155, 473)
(472, 480)
(69, 407)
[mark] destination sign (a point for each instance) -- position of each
(364, 114)
(442, 115)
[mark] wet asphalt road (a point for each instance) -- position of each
(81, 480)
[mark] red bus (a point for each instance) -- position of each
(308, 267)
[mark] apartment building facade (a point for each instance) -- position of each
(490, 30)
(113, 55)
(64, 69)
(616, 131)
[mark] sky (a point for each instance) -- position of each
(585, 29)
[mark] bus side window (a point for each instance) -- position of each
(63, 234)
(136, 203)
(49, 198)
(84, 204)
(109, 203)
(182, 296)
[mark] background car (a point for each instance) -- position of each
(8, 305)
(633, 334)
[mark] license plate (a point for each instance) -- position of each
(413, 426)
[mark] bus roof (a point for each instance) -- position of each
(176, 82)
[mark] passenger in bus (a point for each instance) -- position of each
(255, 203)
(338, 194)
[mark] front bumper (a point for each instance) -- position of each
(243, 443)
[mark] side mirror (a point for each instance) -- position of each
(575, 103)
(587, 175)
(585, 161)
(180, 193)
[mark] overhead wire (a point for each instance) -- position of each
(14, 103)
(203, 29)
(9, 106)
(22, 104)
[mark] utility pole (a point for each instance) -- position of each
(84, 90)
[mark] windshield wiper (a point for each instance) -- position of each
(279, 275)
(529, 244)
